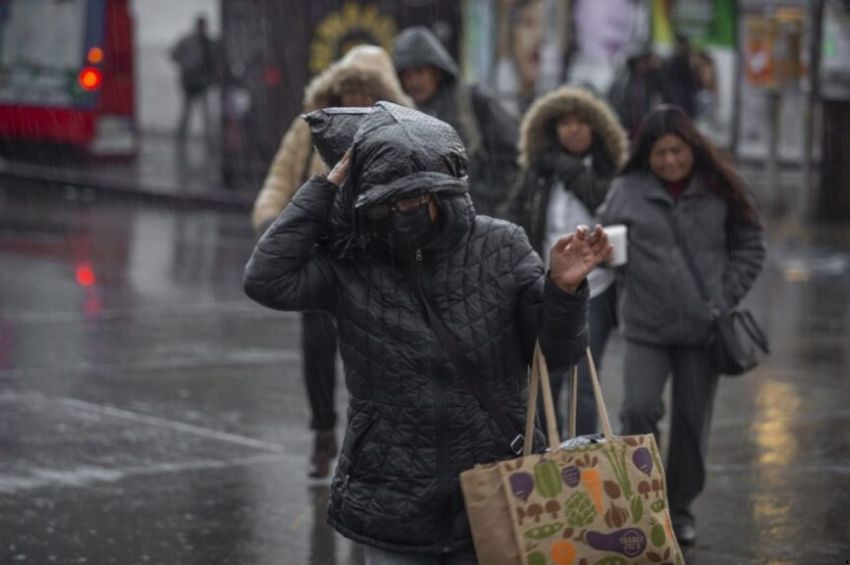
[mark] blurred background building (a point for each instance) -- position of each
(774, 74)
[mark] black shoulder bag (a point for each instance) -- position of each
(735, 336)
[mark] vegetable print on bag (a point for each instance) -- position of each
(601, 503)
(564, 509)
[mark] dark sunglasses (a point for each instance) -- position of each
(383, 211)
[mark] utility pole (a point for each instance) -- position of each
(833, 204)
(807, 194)
(735, 134)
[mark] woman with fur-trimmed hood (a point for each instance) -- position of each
(571, 147)
(364, 76)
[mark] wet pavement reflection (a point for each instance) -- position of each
(150, 413)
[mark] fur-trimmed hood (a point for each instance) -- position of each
(535, 129)
(369, 66)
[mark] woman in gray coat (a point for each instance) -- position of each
(675, 183)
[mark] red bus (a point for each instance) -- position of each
(66, 74)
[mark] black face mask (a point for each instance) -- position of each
(412, 225)
(407, 231)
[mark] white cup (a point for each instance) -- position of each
(618, 237)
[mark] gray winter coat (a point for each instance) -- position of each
(413, 423)
(661, 302)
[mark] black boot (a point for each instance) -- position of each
(686, 533)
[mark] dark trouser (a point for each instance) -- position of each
(646, 369)
(318, 347)
(190, 100)
(601, 320)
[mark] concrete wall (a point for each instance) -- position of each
(159, 24)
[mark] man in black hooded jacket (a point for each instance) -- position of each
(390, 229)
(430, 76)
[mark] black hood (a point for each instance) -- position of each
(417, 47)
(396, 152)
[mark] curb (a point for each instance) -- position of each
(60, 178)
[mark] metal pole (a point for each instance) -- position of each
(736, 92)
(774, 98)
(807, 196)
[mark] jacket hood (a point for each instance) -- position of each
(367, 67)
(417, 47)
(399, 152)
(536, 127)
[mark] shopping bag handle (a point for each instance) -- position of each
(597, 393)
(540, 381)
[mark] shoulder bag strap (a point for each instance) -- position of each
(745, 318)
(692, 267)
(467, 370)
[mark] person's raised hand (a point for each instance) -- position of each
(573, 257)
(339, 173)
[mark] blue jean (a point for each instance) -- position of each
(378, 556)
(601, 320)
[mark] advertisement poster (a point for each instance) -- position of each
(273, 49)
(835, 58)
(604, 32)
(519, 42)
(710, 28)
(772, 44)
(516, 47)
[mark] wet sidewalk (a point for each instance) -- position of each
(164, 169)
(150, 413)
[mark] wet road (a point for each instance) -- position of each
(149, 413)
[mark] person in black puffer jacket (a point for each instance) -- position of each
(403, 223)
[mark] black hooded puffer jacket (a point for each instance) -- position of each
(413, 424)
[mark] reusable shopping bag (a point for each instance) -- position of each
(591, 502)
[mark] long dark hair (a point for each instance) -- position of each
(718, 175)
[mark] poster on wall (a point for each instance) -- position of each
(519, 43)
(772, 44)
(709, 26)
(274, 48)
(604, 33)
(516, 47)
(835, 55)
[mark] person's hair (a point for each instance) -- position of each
(717, 173)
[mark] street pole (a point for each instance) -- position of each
(807, 194)
(774, 108)
(736, 92)
(834, 194)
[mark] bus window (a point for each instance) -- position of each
(42, 44)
